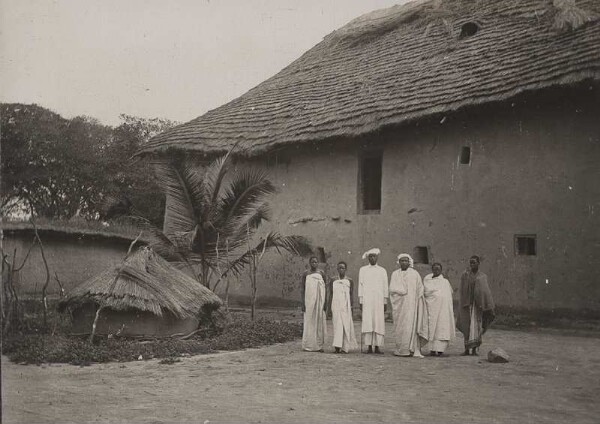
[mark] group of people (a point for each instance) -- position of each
(422, 309)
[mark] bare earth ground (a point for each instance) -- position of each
(551, 379)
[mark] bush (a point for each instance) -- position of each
(236, 333)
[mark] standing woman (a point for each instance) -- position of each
(440, 322)
(341, 309)
(312, 289)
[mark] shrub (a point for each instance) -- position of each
(231, 334)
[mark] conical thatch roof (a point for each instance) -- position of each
(147, 283)
(404, 63)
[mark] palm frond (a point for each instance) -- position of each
(213, 179)
(244, 200)
(178, 183)
(296, 245)
(170, 248)
(262, 213)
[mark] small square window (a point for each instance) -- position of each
(321, 255)
(465, 155)
(421, 255)
(369, 182)
(525, 245)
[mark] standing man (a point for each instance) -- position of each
(314, 305)
(475, 306)
(440, 311)
(373, 296)
(408, 307)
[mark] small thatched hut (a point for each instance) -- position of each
(145, 297)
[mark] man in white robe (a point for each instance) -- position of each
(373, 296)
(342, 289)
(440, 311)
(313, 292)
(408, 308)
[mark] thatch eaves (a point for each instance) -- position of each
(404, 63)
(146, 282)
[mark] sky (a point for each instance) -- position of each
(173, 59)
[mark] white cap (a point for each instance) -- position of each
(406, 255)
(373, 251)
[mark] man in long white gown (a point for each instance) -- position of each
(313, 292)
(341, 310)
(408, 307)
(440, 311)
(373, 296)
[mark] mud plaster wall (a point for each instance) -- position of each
(130, 323)
(533, 170)
(74, 257)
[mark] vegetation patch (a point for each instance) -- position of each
(238, 333)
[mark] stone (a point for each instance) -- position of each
(498, 356)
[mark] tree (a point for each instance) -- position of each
(63, 168)
(213, 219)
(133, 181)
(50, 163)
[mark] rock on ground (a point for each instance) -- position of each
(498, 356)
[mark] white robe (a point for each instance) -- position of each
(406, 295)
(341, 315)
(314, 331)
(440, 312)
(373, 295)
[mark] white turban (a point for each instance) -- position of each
(406, 255)
(373, 251)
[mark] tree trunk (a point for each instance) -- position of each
(95, 323)
(253, 298)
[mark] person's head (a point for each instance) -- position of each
(313, 262)
(404, 263)
(341, 267)
(371, 255)
(436, 268)
(474, 263)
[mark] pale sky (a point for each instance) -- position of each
(173, 59)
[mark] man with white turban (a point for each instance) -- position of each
(408, 307)
(373, 296)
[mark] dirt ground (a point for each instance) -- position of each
(551, 379)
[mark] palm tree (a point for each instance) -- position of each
(212, 221)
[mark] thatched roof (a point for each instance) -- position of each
(404, 63)
(147, 283)
(93, 230)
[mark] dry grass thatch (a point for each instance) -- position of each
(90, 229)
(569, 16)
(401, 64)
(146, 283)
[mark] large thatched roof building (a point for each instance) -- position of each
(145, 296)
(443, 128)
(401, 64)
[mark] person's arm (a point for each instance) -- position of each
(360, 287)
(386, 290)
(302, 290)
(327, 299)
(420, 286)
(351, 293)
